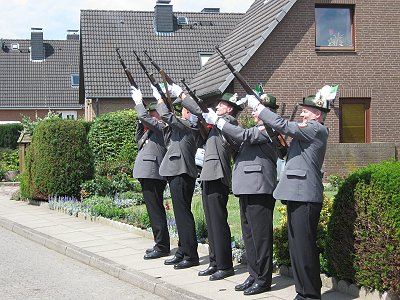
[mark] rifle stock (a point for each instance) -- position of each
(126, 70)
(277, 139)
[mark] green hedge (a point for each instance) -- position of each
(58, 160)
(112, 140)
(363, 242)
(9, 134)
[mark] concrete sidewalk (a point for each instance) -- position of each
(120, 253)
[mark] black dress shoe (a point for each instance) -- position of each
(173, 261)
(256, 289)
(155, 254)
(209, 271)
(245, 285)
(149, 250)
(221, 274)
(184, 264)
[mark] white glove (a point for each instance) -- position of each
(252, 101)
(136, 95)
(175, 90)
(242, 101)
(156, 94)
(210, 117)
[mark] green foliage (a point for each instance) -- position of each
(281, 243)
(109, 185)
(104, 207)
(9, 161)
(9, 134)
(246, 120)
(138, 216)
(200, 221)
(112, 140)
(58, 159)
(363, 244)
(29, 125)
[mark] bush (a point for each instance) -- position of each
(9, 134)
(281, 243)
(9, 161)
(109, 185)
(112, 140)
(364, 229)
(58, 160)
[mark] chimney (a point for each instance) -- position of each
(72, 35)
(37, 49)
(163, 15)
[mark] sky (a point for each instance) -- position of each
(56, 17)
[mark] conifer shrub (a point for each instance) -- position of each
(9, 134)
(58, 160)
(363, 242)
(112, 141)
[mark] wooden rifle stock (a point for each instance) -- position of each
(150, 76)
(277, 139)
(126, 70)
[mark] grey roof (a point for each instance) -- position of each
(47, 84)
(177, 52)
(258, 23)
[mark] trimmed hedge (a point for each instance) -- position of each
(9, 134)
(363, 242)
(58, 160)
(112, 141)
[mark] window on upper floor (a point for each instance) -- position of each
(74, 80)
(334, 27)
(355, 121)
(204, 57)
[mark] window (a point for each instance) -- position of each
(334, 27)
(355, 121)
(74, 80)
(68, 114)
(204, 57)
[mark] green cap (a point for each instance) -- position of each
(269, 101)
(318, 103)
(230, 99)
(151, 106)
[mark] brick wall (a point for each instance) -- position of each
(288, 63)
(342, 159)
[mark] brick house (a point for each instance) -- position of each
(39, 75)
(180, 42)
(294, 47)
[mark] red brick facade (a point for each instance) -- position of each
(293, 69)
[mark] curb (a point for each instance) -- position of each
(134, 277)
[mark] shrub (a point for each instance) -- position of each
(9, 161)
(200, 221)
(9, 134)
(364, 229)
(109, 185)
(281, 243)
(58, 159)
(112, 140)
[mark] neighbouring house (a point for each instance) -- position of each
(180, 42)
(39, 75)
(294, 47)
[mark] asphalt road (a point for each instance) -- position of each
(31, 271)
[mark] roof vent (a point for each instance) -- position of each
(163, 15)
(37, 49)
(181, 20)
(72, 34)
(210, 10)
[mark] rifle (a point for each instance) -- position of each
(228, 142)
(292, 115)
(277, 139)
(127, 71)
(150, 76)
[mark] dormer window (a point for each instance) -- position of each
(74, 80)
(204, 57)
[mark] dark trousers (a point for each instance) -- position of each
(303, 218)
(153, 190)
(182, 188)
(215, 199)
(256, 214)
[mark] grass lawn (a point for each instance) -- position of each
(234, 214)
